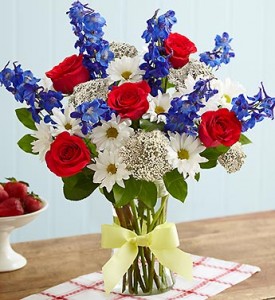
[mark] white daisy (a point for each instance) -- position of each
(46, 83)
(125, 69)
(189, 83)
(157, 106)
(184, 154)
(44, 139)
(112, 134)
(227, 90)
(64, 122)
(109, 169)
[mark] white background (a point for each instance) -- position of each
(37, 33)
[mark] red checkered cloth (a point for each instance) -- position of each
(211, 276)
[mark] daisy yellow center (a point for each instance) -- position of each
(112, 132)
(126, 75)
(159, 110)
(183, 154)
(227, 98)
(112, 168)
(68, 126)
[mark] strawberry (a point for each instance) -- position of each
(17, 189)
(11, 207)
(3, 194)
(31, 203)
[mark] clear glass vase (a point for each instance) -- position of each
(146, 276)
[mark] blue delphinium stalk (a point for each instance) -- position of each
(156, 64)
(251, 110)
(23, 85)
(87, 26)
(91, 113)
(183, 113)
(221, 54)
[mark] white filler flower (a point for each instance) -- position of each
(109, 169)
(184, 154)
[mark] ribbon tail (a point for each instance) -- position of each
(118, 265)
(176, 260)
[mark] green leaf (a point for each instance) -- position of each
(197, 176)
(109, 196)
(79, 186)
(146, 125)
(147, 193)
(25, 143)
(211, 163)
(91, 146)
(170, 85)
(212, 155)
(244, 140)
(175, 184)
(122, 195)
(25, 117)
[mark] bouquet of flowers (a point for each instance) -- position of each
(137, 126)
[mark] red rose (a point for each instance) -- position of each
(129, 100)
(69, 73)
(68, 155)
(220, 127)
(180, 47)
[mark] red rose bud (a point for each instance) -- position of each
(129, 100)
(180, 47)
(220, 127)
(68, 155)
(69, 73)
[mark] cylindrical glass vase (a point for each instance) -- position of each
(146, 276)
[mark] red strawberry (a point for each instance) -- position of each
(31, 203)
(3, 194)
(11, 207)
(17, 189)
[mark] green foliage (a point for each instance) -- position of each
(91, 146)
(176, 185)
(135, 189)
(244, 140)
(197, 176)
(25, 117)
(212, 155)
(25, 143)
(146, 125)
(147, 193)
(79, 186)
(109, 196)
(124, 195)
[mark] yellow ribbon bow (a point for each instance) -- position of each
(162, 241)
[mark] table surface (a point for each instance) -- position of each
(248, 238)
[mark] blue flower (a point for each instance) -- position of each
(50, 99)
(254, 109)
(91, 113)
(183, 114)
(221, 54)
(87, 26)
(180, 117)
(156, 64)
(22, 84)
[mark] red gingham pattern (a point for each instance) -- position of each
(211, 276)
